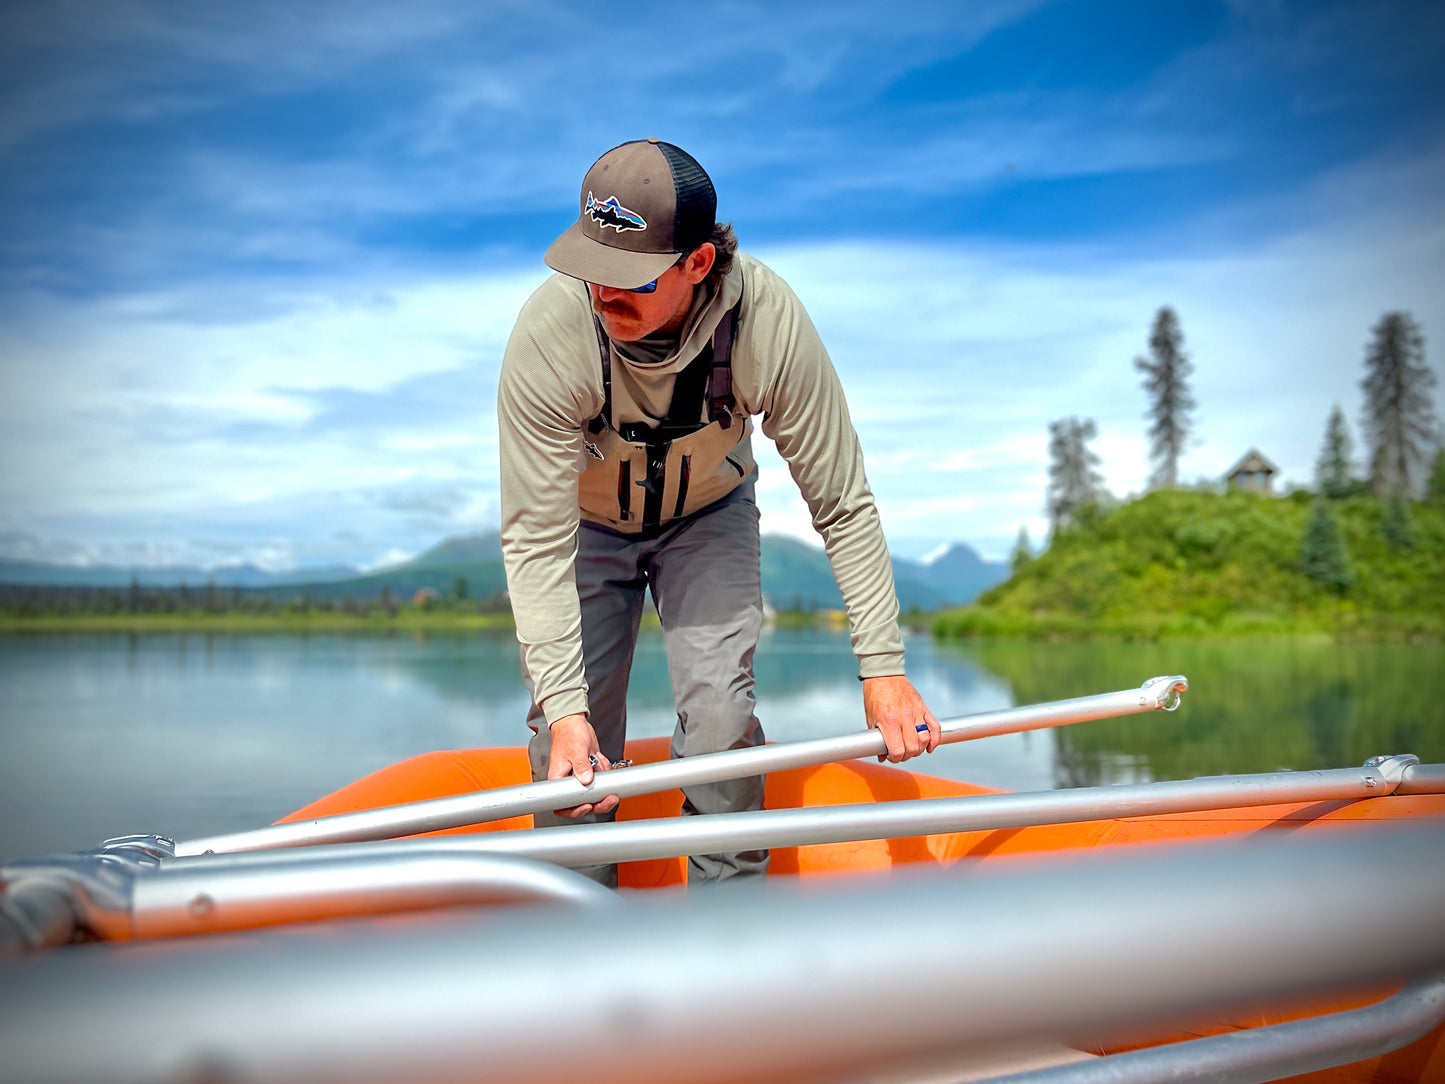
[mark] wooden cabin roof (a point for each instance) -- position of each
(1252, 461)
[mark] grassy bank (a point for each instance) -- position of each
(375, 620)
(1197, 565)
(405, 619)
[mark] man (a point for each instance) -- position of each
(625, 413)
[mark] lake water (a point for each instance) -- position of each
(191, 734)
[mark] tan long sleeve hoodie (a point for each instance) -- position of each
(551, 388)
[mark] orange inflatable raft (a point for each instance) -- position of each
(442, 774)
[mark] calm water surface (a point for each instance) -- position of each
(191, 734)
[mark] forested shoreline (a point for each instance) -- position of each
(1361, 556)
(139, 609)
(1194, 564)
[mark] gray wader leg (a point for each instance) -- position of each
(707, 584)
(609, 587)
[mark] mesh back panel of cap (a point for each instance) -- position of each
(696, 199)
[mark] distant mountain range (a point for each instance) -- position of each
(796, 576)
(41, 574)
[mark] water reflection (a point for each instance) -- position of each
(194, 734)
(1251, 707)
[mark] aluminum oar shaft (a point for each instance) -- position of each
(1157, 694)
(673, 837)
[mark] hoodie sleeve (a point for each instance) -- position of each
(540, 414)
(806, 415)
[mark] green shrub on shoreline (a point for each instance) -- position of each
(1187, 564)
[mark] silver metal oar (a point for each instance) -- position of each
(672, 837)
(1156, 694)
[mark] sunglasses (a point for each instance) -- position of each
(649, 287)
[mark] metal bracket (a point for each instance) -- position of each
(100, 883)
(122, 890)
(1163, 693)
(1392, 768)
(139, 848)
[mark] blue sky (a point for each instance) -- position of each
(258, 262)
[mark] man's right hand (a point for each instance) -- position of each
(574, 742)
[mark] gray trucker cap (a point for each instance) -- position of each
(643, 205)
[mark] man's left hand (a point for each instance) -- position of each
(894, 708)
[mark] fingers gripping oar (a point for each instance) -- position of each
(1156, 694)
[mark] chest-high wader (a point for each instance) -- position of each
(707, 378)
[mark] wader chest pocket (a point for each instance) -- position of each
(701, 397)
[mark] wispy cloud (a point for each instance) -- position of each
(132, 61)
(258, 264)
(957, 358)
(376, 409)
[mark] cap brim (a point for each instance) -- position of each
(577, 255)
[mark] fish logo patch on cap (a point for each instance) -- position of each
(609, 212)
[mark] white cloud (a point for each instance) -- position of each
(353, 416)
(387, 559)
(127, 413)
(957, 356)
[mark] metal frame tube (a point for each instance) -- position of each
(1257, 1055)
(1157, 694)
(115, 898)
(816, 980)
(1423, 779)
(595, 844)
(201, 899)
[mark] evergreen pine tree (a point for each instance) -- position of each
(1333, 472)
(1074, 479)
(1397, 526)
(1323, 554)
(1023, 552)
(1167, 371)
(1399, 417)
(1436, 489)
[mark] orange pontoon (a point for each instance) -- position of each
(464, 771)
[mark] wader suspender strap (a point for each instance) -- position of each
(603, 420)
(720, 401)
(709, 373)
(597, 424)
